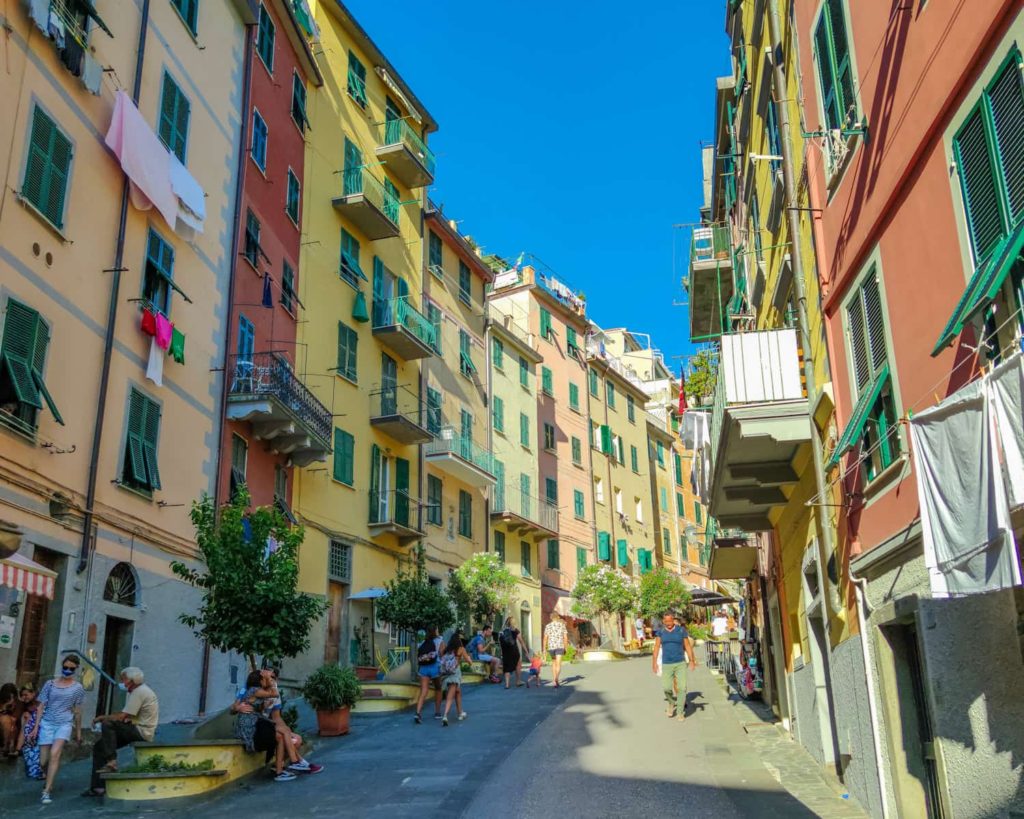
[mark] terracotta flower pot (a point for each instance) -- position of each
(366, 672)
(333, 723)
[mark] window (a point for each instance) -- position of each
(875, 420)
(246, 338)
(498, 411)
(48, 168)
(610, 394)
(350, 269)
(280, 483)
(546, 381)
(434, 500)
(581, 557)
(571, 341)
(553, 562)
(252, 250)
(239, 463)
(598, 490)
(622, 552)
(189, 11)
(604, 546)
(545, 323)
(617, 493)
(287, 287)
(549, 437)
(574, 397)
(265, 34)
(465, 513)
(660, 450)
(140, 470)
(524, 372)
(551, 491)
(258, 149)
(664, 498)
(352, 175)
(433, 411)
(465, 283)
(621, 451)
(835, 69)
(498, 354)
(680, 508)
(771, 127)
(348, 344)
(630, 409)
(525, 564)
(499, 545)
(524, 429)
(435, 319)
(639, 505)
(578, 504)
(344, 457)
(593, 383)
(435, 254)
(175, 111)
(22, 356)
(466, 366)
(666, 542)
(677, 462)
(577, 451)
(159, 273)
(291, 201)
(634, 460)
(697, 516)
(755, 226)
(392, 201)
(339, 561)
(356, 80)
(299, 102)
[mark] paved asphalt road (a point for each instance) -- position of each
(598, 747)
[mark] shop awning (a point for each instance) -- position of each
(984, 285)
(26, 575)
(855, 428)
(372, 593)
(563, 605)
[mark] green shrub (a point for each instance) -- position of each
(159, 764)
(331, 687)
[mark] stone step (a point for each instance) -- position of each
(383, 704)
(136, 792)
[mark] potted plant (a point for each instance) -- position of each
(332, 691)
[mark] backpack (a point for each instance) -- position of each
(424, 652)
(449, 664)
(507, 638)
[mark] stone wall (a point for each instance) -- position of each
(807, 729)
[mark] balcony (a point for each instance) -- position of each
(403, 328)
(368, 204)
(732, 558)
(395, 512)
(523, 514)
(759, 419)
(399, 413)
(263, 390)
(405, 154)
(711, 286)
(461, 458)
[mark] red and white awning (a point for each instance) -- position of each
(26, 575)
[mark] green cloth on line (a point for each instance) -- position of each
(177, 349)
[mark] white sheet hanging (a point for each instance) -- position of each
(1007, 405)
(965, 519)
(155, 367)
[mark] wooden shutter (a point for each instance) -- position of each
(843, 63)
(150, 433)
(135, 457)
(604, 546)
(524, 429)
(875, 323)
(375, 484)
(1006, 98)
(19, 345)
(606, 439)
(858, 343)
(581, 557)
(499, 414)
(978, 179)
(546, 380)
(402, 493)
(622, 552)
(545, 323)
(47, 168)
(353, 172)
(174, 117)
(574, 396)
(823, 58)
(38, 363)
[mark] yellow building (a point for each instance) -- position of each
(98, 462)
(459, 466)
(365, 331)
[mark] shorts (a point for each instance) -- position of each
(557, 652)
(534, 672)
(430, 671)
(486, 658)
(50, 732)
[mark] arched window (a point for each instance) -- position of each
(122, 586)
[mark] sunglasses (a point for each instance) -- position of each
(70, 668)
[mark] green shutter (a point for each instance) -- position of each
(606, 439)
(265, 38)
(578, 504)
(553, 557)
(498, 353)
(634, 458)
(630, 408)
(551, 490)
(604, 546)
(622, 553)
(593, 383)
(21, 325)
(574, 396)
(843, 64)
(150, 433)
(175, 111)
(524, 429)
(374, 493)
(696, 512)
(135, 456)
(545, 323)
(680, 509)
(980, 184)
(664, 498)
(609, 389)
(499, 414)
(402, 491)
(47, 168)
(581, 557)
(546, 380)
(1006, 98)
(344, 457)
(622, 451)
(524, 372)
(577, 450)
(348, 346)
(433, 411)
(571, 342)
(677, 463)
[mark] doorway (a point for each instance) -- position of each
(33, 652)
(526, 624)
(335, 607)
(117, 654)
(780, 689)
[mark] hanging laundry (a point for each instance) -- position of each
(1007, 383)
(965, 519)
(164, 329)
(268, 296)
(39, 12)
(271, 547)
(246, 530)
(359, 310)
(92, 74)
(155, 367)
(72, 56)
(148, 325)
(177, 345)
(191, 198)
(55, 28)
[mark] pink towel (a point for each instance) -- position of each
(143, 158)
(164, 330)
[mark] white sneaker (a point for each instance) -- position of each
(301, 765)
(462, 716)
(46, 800)
(285, 776)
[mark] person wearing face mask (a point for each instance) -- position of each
(136, 722)
(60, 705)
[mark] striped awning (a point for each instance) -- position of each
(25, 575)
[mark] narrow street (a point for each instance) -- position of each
(599, 747)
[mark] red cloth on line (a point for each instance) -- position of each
(148, 322)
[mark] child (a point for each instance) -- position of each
(534, 674)
(27, 743)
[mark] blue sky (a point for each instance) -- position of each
(571, 131)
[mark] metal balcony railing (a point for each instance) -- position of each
(399, 132)
(711, 243)
(394, 400)
(394, 506)
(361, 181)
(512, 500)
(449, 441)
(400, 311)
(269, 375)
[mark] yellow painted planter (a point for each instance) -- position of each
(386, 689)
(228, 755)
(131, 789)
(472, 678)
(381, 705)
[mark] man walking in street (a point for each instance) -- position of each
(136, 722)
(555, 640)
(674, 641)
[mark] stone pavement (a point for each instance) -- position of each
(598, 747)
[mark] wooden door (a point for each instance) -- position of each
(335, 607)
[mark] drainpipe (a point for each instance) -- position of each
(204, 679)
(490, 416)
(108, 340)
(863, 612)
